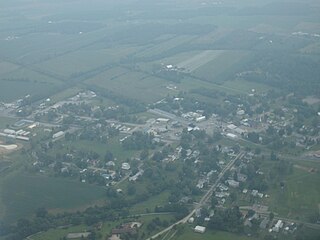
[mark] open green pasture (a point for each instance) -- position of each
(113, 145)
(301, 194)
(150, 204)
(22, 194)
(132, 84)
(246, 86)
(54, 234)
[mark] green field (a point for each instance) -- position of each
(300, 197)
(245, 86)
(22, 194)
(132, 84)
(219, 69)
(189, 234)
(25, 81)
(113, 145)
(76, 63)
(164, 46)
(55, 234)
(151, 203)
(4, 121)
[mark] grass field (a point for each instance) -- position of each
(132, 84)
(297, 200)
(67, 93)
(301, 194)
(113, 145)
(245, 86)
(55, 234)
(4, 121)
(165, 46)
(150, 204)
(25, 81)
(6, 67)
(217, 69)
(22, 194)
(82, 61)
(189, 234)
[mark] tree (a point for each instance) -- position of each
(108, 156)
(131, 189)
(41, 212)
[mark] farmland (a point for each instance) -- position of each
(23, 194)
(175, 90)
(123, 82)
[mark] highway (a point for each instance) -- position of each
(204, 198)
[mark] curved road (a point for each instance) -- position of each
(204, 199)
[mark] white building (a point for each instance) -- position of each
(125, 166)
(58, 134)
(200, 119)
(233, 183)
(200, 229)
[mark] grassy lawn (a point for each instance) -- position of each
(150, 204)
(113, 145)
(22, 194)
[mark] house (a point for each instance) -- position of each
(58, 134)
(200, 119)
(241, 177)
(233, 183)
(78, 235)
(278, 226)
(163, 120)
(199, 229)
(198, 212)
(231, 135)
(114, 237)
(264, 223)
(254, 192)
(125, 166)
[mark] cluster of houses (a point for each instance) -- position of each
(127, 228)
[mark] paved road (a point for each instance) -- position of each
(203, 200)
